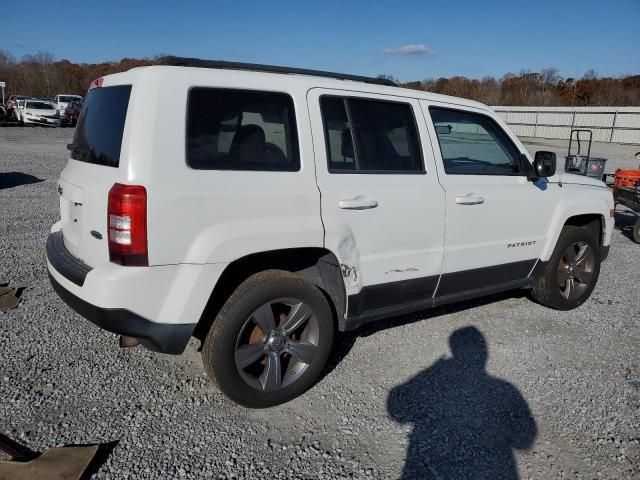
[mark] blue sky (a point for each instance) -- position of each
(448, 37)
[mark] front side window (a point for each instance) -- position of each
(474, 144)
(241, 130)
(365, 136)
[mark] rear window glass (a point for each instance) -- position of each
(241, 130)
(98, 137)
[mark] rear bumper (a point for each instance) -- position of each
(159, 337)
(159, 305)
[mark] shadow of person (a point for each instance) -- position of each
(466, 423)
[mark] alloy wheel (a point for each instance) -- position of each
(575, 270)
(276, 344)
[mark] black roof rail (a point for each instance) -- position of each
(199, 63)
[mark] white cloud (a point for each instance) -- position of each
(412, 49)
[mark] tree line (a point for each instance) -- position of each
(40, 75)
(544, 88)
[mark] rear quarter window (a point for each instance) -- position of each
(98, 137)
(229, 129)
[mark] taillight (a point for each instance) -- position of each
(97, 83)
(127, 225)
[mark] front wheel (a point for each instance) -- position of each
(270, 341)
(571, 273)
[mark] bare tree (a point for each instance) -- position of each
(41, 75)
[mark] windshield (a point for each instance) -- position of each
(39, 105)
(68, 99)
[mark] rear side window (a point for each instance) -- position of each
(474, 144)
(368, 136)
(98, 137)
(241, 130)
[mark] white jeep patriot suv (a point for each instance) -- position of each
(273, 207)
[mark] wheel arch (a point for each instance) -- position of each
(318, 265)
(595, 222)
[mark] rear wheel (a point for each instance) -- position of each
(571, 273)
(635, 233)
(270, 340)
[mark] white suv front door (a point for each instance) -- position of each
(496, 217)
(382, 206)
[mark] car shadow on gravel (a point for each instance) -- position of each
(625, 221)
(15, 179)
(466, 423)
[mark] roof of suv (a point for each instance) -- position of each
(256, 67)
(311, 78)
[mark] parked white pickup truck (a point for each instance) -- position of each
(277, 206)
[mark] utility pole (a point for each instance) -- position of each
(3, 84)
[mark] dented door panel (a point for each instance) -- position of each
(401, 237)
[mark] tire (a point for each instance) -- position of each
(635, 233)
(567, 282)
(245, 360)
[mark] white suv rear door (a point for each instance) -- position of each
(496, 217)
(382, 206)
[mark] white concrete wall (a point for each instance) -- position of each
(609, 124)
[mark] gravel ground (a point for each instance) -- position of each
(559, 396)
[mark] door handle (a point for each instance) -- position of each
(358, 203)
(470, 199)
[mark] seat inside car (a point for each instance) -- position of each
(248, 144)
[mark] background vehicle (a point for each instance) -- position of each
(13, 102)
(39, 112)
(276, 206)
(62, 100)
(72, 112)
(626, 191)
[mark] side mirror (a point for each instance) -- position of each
(544, 164)
(443, 129)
